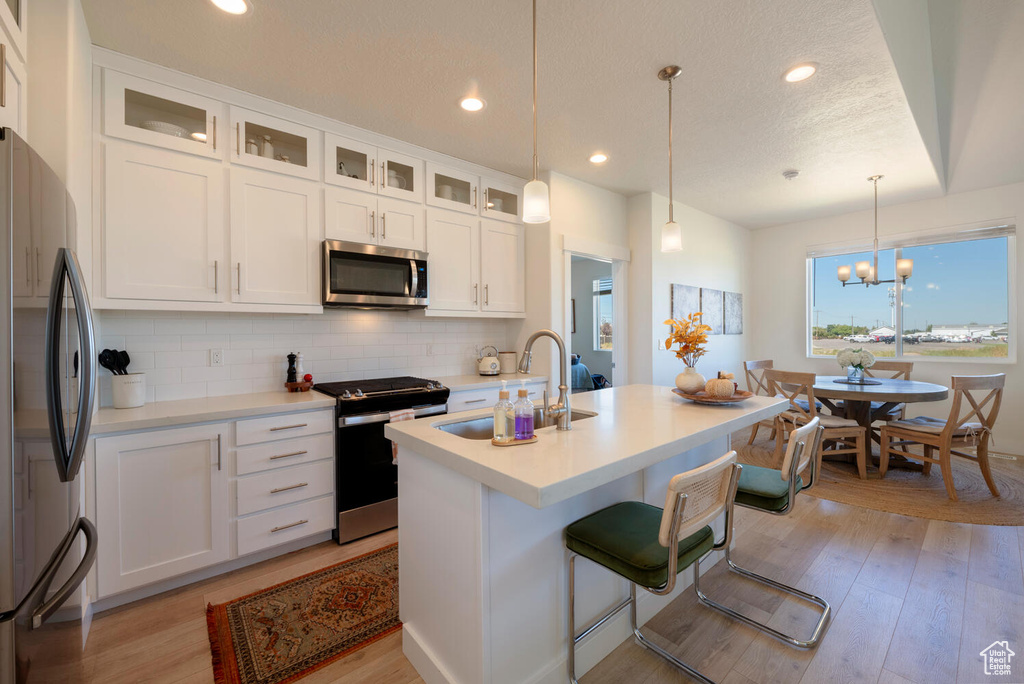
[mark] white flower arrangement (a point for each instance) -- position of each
(859, 358)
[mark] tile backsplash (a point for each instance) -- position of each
(173, 348)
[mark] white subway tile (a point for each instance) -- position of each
(153, 343)
(194, 390)
(205, 374)
(128, 326)
(205, 341)
(180, 326)
(182, 359)
(163, 376)
(226, 387)
(229, 326)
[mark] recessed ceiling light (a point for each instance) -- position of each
(201, 137)
(233, 6)
(800, 73)
(472, 104)
(598, 158)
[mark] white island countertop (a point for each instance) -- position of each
(635, 427)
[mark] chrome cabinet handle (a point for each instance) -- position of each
(218, 452)
(214, 131)
(373, 172)
(487, 295)
(28, 267)
(476, 401)
(383, 225)
(39, 270)
(294, 453)
(289, 427)
(486, 198)
(383, 175)
(285, 489)
(216, 275)
(285, 527)
(476, 293)
(373, 221)
(3, 75)
(474, 197)
(238, 272)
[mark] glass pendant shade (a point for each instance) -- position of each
(536, 203)
(863, 269)
(671, 237)
(844, 273)
(904, 268)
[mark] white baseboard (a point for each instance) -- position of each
(421, 657)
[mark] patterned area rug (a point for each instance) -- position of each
(910, 492)
(285, 632)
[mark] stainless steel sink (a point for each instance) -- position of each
(483, 427)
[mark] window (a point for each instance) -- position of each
(603, 317)
(955, 305)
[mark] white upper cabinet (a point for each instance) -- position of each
(152, 113)
(401, 224)
(12, 21)
(449, 188)
(163, 231)
(272, 144)
(453, 244)
(400, 176)
(350, 216)
(501, 201)
(275, 239)
(350, 163)
(502, 265)
(13, 98)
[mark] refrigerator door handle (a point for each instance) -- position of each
(42, 613)
(68, 457)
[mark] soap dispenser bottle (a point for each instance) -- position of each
(524, 414)
(504, 416)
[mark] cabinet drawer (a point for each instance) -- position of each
(288, 426)
(253, 459)
(285, 486)
(469, 400)
(285, 524)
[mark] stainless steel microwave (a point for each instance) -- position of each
(370, 276)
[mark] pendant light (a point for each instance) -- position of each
(867, 271)
(536, 202)
(671, 232)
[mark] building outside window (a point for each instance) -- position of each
(957, 304)
(603, 317)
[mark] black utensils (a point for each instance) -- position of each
(115, 361)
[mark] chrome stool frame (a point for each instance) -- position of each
(679, 505)
(819, 628)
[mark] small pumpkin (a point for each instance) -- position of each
(720, 388)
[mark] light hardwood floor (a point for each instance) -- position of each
(913, 600)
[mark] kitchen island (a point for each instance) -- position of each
(482, 565)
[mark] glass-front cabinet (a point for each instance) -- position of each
(399, 176)
(501, 201)
(155, 114)
(12, 18)
(449, 188)
(349, 163)
(272, 144)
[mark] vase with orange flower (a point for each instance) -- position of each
(690, 336)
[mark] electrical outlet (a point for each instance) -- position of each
(216, 357)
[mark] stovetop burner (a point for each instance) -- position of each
(372, 394)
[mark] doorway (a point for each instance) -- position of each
(592, 325)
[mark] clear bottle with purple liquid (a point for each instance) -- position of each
(524, 415)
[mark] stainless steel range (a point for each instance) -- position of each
(366, 478)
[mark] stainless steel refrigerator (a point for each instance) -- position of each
(47, 381)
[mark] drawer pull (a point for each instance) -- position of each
(288, 526)
(476, 401)
(285, 489)
(294, 453)
(289, 427)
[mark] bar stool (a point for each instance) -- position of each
(632, 539)
(774, 492)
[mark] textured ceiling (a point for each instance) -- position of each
(399, 68)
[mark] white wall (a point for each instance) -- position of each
(173, 348)
(584, 273)
(715, 255)
(778, 306)
(578, 209)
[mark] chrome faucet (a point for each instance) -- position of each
(561, 409)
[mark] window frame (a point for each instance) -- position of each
(897, 243)
(599, 292)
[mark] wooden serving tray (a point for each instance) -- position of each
(703, 398)
(298, 386)
(514, 442)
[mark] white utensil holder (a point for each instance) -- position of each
(129, 390)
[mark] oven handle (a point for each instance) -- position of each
(367, 418)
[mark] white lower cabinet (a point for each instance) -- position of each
(471, 399)
(477, 266)
(161, 505)
(170, 502)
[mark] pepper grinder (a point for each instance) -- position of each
(292, 376)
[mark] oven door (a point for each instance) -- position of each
(360, 275)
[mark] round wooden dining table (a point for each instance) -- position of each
(886, 394)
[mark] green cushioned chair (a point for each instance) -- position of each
(634, 539)
(774, 491)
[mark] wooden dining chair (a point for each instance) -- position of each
(756, 384)
(893, 370)
(844, 436)
(969, 425)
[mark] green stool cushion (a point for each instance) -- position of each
(763, 488)
(624, 539)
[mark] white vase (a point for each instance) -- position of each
(690, 381)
